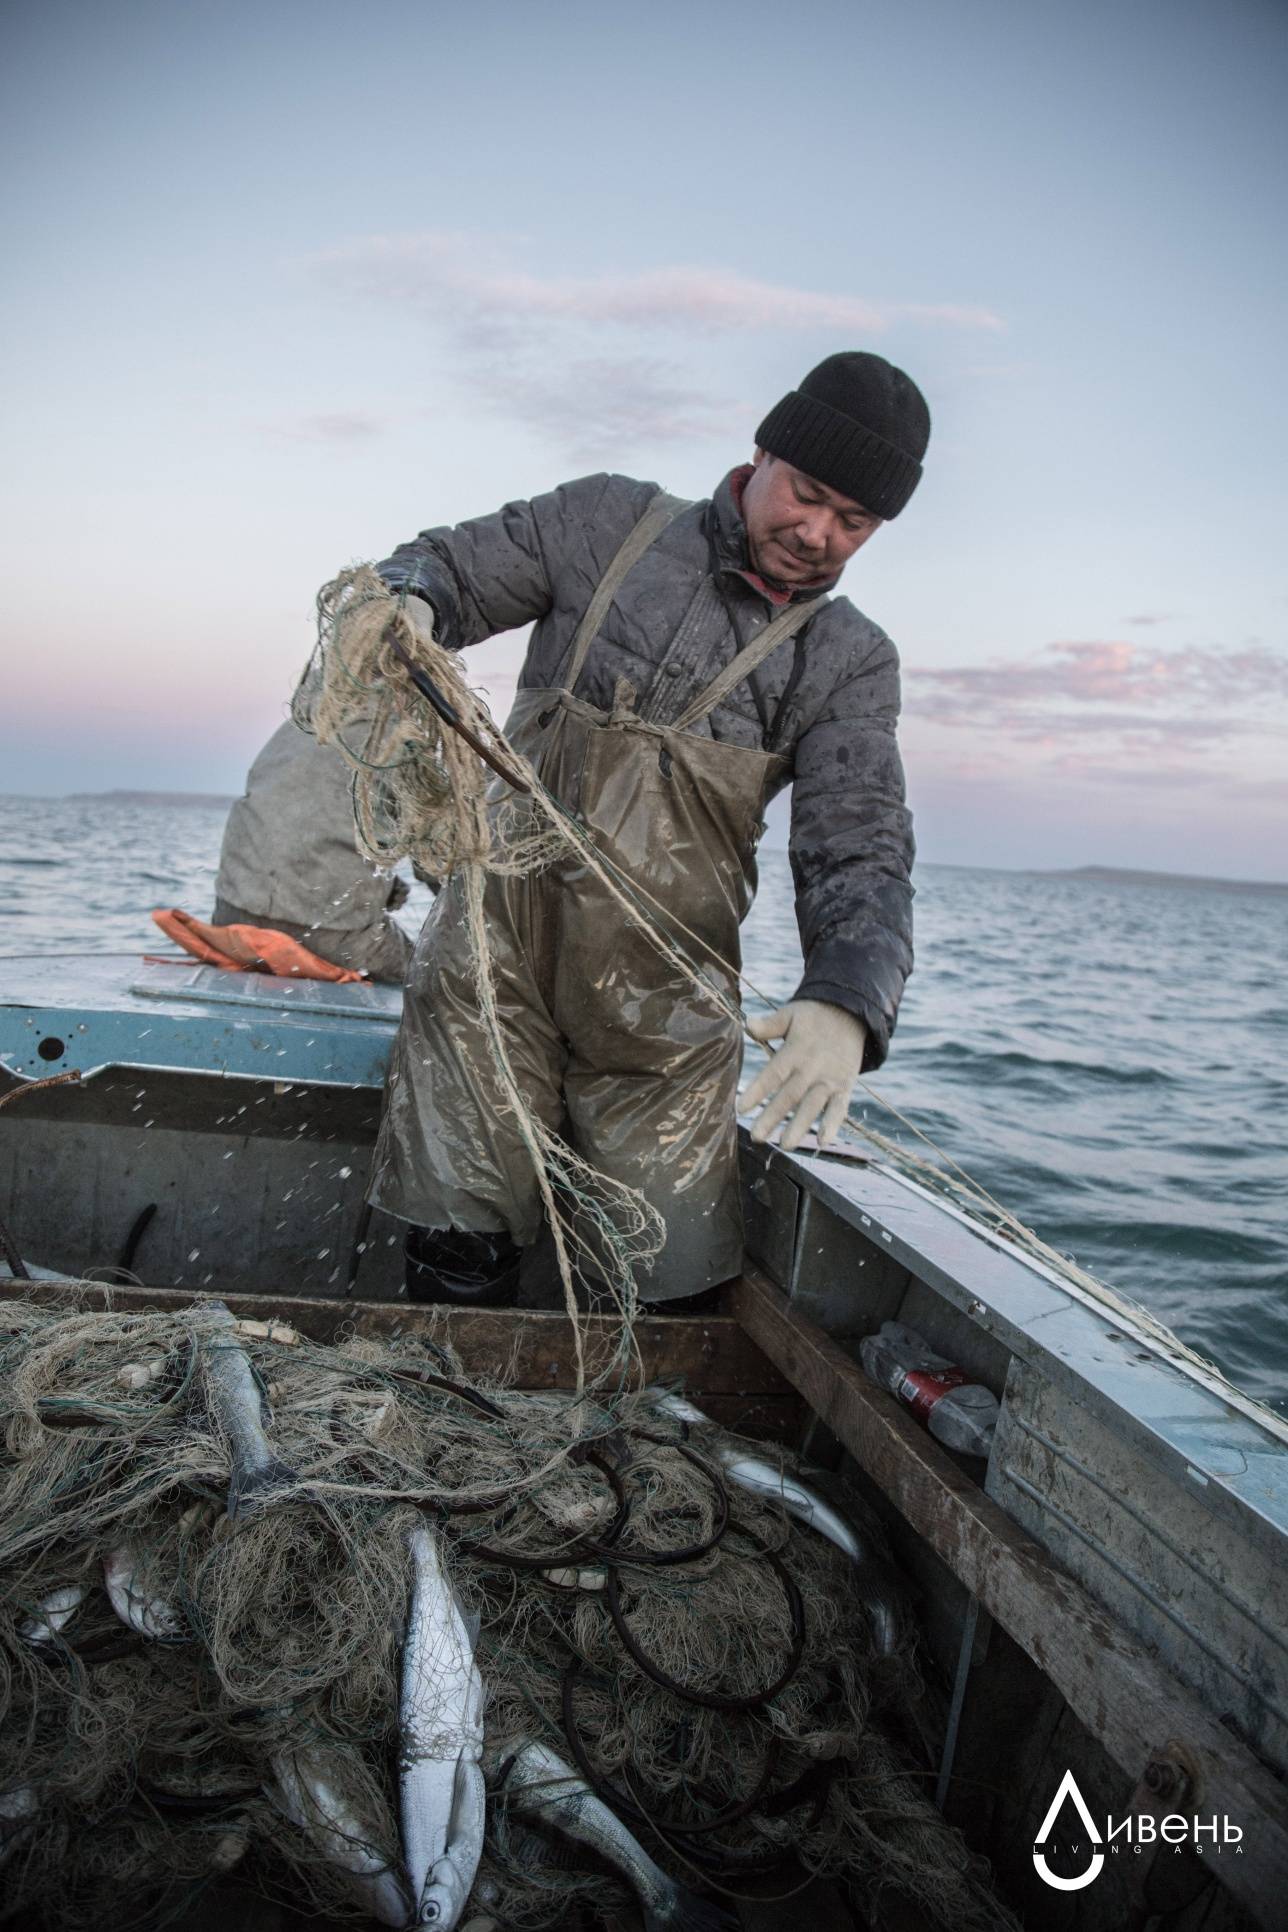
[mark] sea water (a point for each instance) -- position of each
(1108, 1057)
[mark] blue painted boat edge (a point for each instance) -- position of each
(79, 1013)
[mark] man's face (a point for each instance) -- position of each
(800, 531)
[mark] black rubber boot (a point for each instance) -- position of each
(467, 1270)
(705, 1302)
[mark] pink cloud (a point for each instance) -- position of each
(576, 357)
(1078, 779)
(1110, 713)
(334, 426)
(1199, 680)
(444, 273)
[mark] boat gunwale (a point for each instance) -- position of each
(1014, 1297)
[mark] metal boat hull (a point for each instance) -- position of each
(1108, 1592)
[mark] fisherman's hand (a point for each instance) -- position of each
(420, 616)
(812, 1073)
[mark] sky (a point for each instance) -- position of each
(284, 283)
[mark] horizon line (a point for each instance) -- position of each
(1094, 869)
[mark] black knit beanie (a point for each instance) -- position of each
(857, 424)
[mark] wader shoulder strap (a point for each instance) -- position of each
(659, 513)
(776, 632)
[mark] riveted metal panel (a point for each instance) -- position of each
(1180, 1575)
(769, 1204)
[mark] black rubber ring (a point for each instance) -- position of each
(662, 1559)
(715, 1700)
(631, 1805)
(425, 1378)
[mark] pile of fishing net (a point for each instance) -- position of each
(195, 1700)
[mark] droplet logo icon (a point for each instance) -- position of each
(1068, 1788)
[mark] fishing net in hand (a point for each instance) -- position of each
(420, 790)
(709, 1667)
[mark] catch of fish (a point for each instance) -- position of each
(476, 1792)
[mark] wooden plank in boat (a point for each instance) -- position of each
(1120, 1694)
(711, 1354)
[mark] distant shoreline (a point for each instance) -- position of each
(146, 798)
(1130, 875)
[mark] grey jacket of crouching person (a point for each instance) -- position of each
(289, 861)
(828, 701)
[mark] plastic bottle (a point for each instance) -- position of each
(960, 1413)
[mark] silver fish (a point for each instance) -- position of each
(881, 1595)
(53, 1612)
(150, 1616)
(541, 1785)
(764, 1479)
(678, 1407)
(18, 1809)
(797, 1498)
(235, 1396)
(441, 1779)
(310, 1790)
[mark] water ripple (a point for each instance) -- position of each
(1105, 1058)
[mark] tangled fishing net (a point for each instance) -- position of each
(421, 790)
(174, 1678)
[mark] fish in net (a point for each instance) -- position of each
(698, 1659)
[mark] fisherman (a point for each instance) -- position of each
(688, 661)
(289, 861)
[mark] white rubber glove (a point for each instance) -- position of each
(420, 616)
(812, 1073)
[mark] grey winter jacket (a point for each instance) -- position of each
(827, 701)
